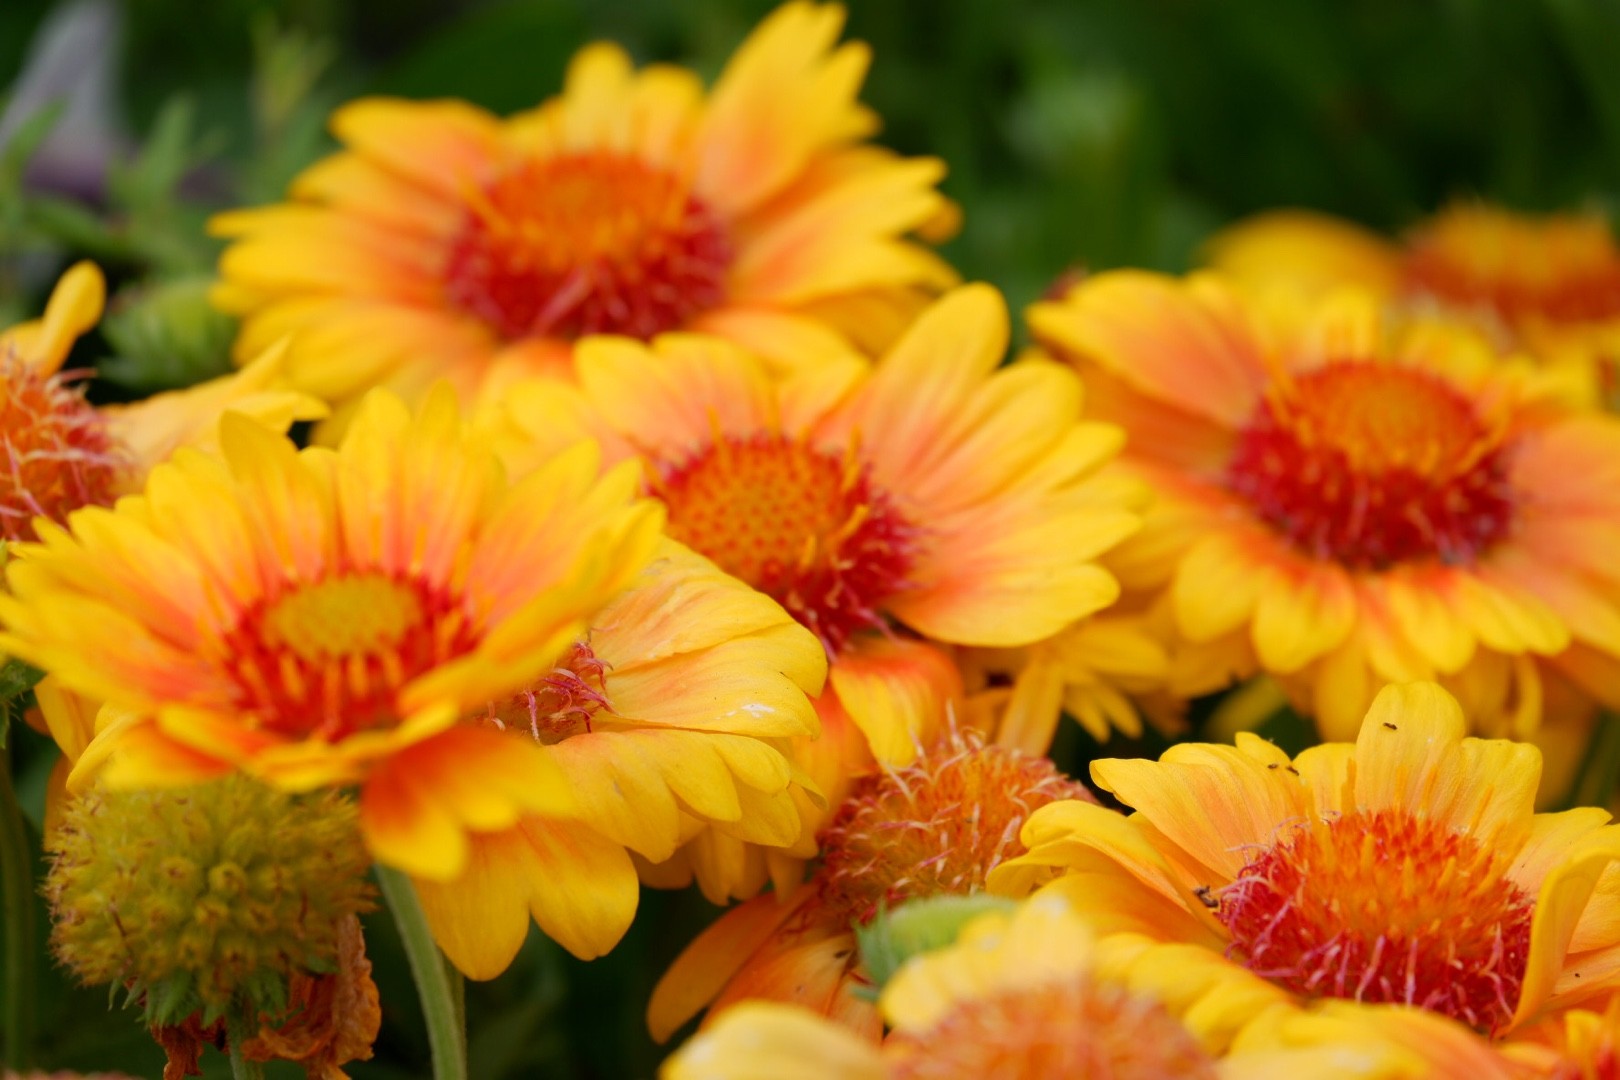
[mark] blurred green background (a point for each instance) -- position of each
(1085, 134)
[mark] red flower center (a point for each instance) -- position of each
(1077, 1028)
(1371, 464)
(935, 827)
(1385, 907)
(807, 527)
(1561, 268)
(59, 455)
(592, 243)
(329, 658)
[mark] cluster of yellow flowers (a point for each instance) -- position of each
(672, 514)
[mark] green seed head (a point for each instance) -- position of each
(199, 897)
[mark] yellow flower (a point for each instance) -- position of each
(1580, 1044)
(932, 497)
(64, 453)
(1102, 671)
(1547, 284)
(1409, 867)
(444, 242)
(1035, 995)
(936, 827)
(1344, 501)
(396, 614)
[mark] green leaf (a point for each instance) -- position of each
(170, 1000)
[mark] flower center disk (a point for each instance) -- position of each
(593, 243)
(1370, 464)
(59, 455)
(1069, 1029)
(805, 526)
(1385, 908)
(936, 827)
(328, 658)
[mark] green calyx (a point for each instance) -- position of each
(918, 926)
(204, 899)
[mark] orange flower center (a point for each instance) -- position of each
(328, 658)
(807, 527)
(937, 826)
(59, 455)
(591, 243)
(1562, 268)
(561, 703)
(1072, 1029)
(1385, 907)
(1371, 464)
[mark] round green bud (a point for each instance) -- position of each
(918, 926)
(204, 898)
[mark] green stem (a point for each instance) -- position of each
(237, 1033)
(17, 907)
(437, 984)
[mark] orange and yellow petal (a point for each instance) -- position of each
(444, 242)
(73, 308)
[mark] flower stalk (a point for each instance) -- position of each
(437, 984)
(17, 905)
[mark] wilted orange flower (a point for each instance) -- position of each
(1546, 284)
(330, 1020)
(1033, 996)
(1344, 502)
(933, 492)
(444, 242)
(1407, 868)
(396, 614)
(936, 827)
(62, 453)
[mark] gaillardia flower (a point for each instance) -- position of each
(1408, 868)
(932, 491)
(1345, 501)
(932, 497)
(1033, 995)
(446, 243)
(395, 614)
(936, 827)
(1545, 284)
(61, 452)
(1099, 671)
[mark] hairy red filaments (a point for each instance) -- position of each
(935, 827)
(561, 703)
(328, 658)
(1385, 907)
(589, 243)
(1074, 1028)
(1370, 464)
(805, 526)
(59, 455)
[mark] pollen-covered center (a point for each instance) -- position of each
(561, 703)
(808, 527)
(590, 243)
(59, 455)
(1385, 907)
(1371, 464)
(1562, 268)
(935, 827)
(1076, 1028)
(328, 658)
